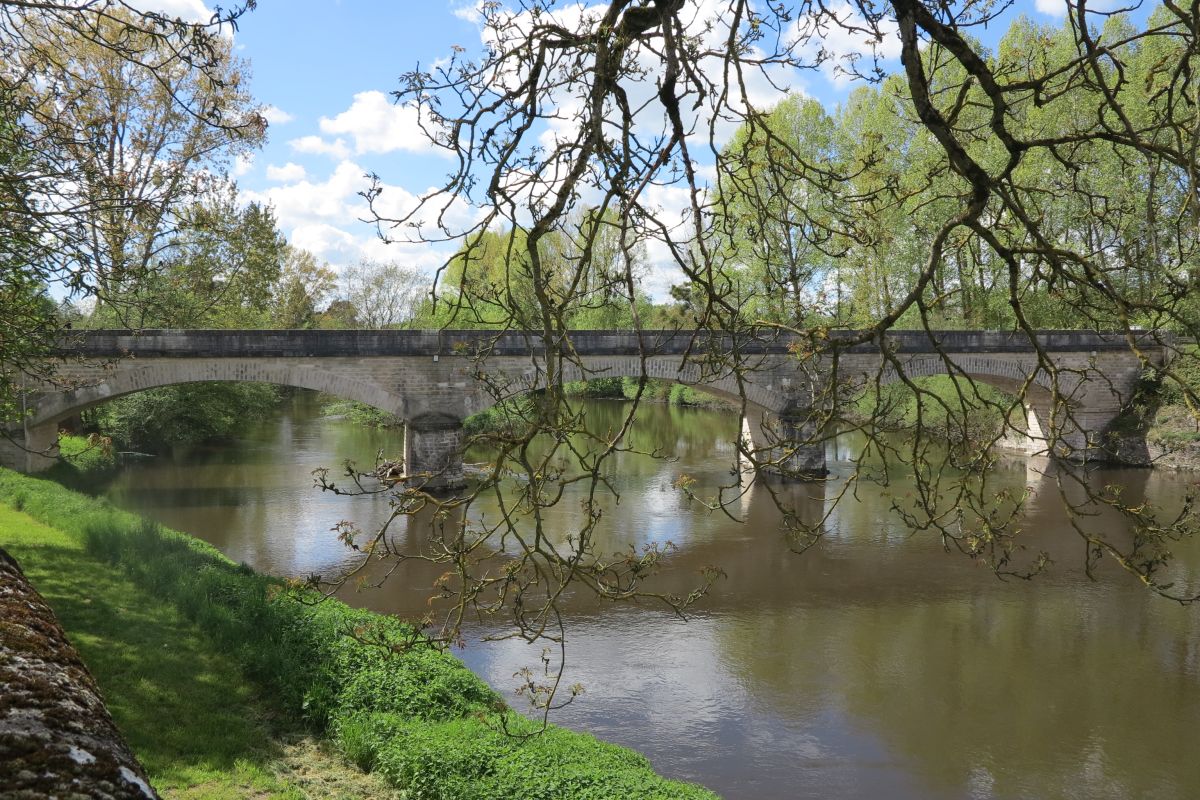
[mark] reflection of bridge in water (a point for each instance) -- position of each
(435, 379)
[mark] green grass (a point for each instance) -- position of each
(182, 705)
(86, 453)
(359, 413)
(239, 651)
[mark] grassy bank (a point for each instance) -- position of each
(420, 721)
(193, 719)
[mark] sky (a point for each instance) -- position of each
(324, 70)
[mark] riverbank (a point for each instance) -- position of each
(174, 631)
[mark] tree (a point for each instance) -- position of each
(304, 285)
(219, 269)
(382, 294)
(106, 111)
(124, 143)
(773, 231)
(29, 315)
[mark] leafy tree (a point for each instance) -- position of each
(303, 287)
(127, 138)
(382, 294)
(774, 233)
(28, 314)
(219, 270)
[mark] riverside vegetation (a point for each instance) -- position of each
(249, 671)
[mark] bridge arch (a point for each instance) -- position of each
(770, 428)
(1042, 421)
(129, 379)
(762, 396)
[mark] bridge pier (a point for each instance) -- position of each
(433, 451)
(1078, 436)
(30, 449)
(786, 446)
(1023, 432)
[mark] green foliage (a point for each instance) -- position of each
(185, 414)
(684, 395)
(86, 454)
(217, 271)
(416, 715)
(303, 287)
(596, 388)
(513, 414)
(28, 314)
(1185, 385)
(1176, 416)
(359, 413)
(944, 405)
(676, 394)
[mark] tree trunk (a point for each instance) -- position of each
(56, 736)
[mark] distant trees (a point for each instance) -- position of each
(839, 210)
(592, 277)
(304, 285)
(381, 294)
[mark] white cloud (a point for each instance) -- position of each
(327, 218)
(1058, 8)
(470, 12)
(288, 173)
(380, 126)
(187, 10)
(242, 165)
(844, 41)
(315, 144)
(276, 115)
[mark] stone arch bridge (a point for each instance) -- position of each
(435, 379)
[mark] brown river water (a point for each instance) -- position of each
(875, 665)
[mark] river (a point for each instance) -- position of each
(875, 665)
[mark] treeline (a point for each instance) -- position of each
(830, 217)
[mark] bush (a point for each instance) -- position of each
(597, 388)
(86, 454)
(184, 414)
(510, 415)
(359, 413)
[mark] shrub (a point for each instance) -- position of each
(359, 413)
(86, 454)
(184, 414)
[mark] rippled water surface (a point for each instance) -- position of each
(874, 665)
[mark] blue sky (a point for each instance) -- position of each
(324, 69)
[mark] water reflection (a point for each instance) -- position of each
(875, 665)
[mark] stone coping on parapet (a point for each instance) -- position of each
(365, 343)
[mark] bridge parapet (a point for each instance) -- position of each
(447, 375)
(375, 343)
